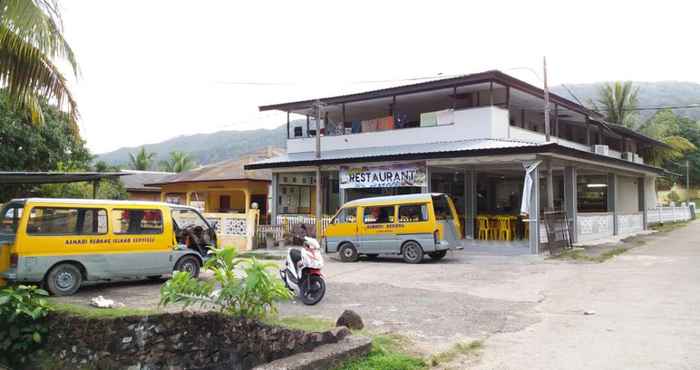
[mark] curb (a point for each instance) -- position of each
(324, 357)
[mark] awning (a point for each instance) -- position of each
(10, 177)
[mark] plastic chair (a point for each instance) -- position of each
(493, 228)
(504, 230)
(483, 225)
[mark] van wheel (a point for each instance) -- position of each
(412, 252)
(64, 279)
(437, 255)
(189, 264)
(348, 253)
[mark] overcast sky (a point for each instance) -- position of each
(152, 70)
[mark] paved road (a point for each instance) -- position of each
(647, 305)
(529, 311)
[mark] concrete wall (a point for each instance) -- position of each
(627, 195)
(594, 226)
(472, 123)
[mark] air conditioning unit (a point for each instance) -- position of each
(601, 149)
(638, 159)
(628, 156)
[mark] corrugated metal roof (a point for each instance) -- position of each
(396, 150)
(22, 177)
(137, 180)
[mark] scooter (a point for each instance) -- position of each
(301, 272)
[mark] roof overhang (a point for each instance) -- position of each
(548, 148)
(11, 177)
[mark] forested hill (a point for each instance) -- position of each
(209, 148)
(206, 148)
(651, 94)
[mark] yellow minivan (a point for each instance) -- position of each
(408, 225)
(62, 243)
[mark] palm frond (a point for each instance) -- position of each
(31, 38)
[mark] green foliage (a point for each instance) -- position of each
(617, 101)
(673, 196)
(387, 354)
(142, 160)
(459, 349)
(680, 134)
(100, 313)
(306, 323)
(178, 162)
(50, 146)
(246, 287)
(31, 40)
(22, 329)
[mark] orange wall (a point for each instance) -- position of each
(214, 189)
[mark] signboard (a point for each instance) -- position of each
(411, 174)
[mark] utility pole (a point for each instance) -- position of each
(546, 101)
(318, 106)
(687, 180)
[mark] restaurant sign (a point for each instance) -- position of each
(411, 174)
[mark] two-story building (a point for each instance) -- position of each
(471, 137)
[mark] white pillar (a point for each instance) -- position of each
(469, 203)
(534, 224)
(274, 199)
(612, 200)
(571, 201)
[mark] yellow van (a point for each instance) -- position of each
(409, 225)
(62, 243)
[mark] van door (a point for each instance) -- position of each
(140, 245)
(343, 228)
(377, 230)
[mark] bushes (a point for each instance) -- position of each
(254, 294)
(673, 197)
(22, 329)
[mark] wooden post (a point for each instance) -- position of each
(556, 120)
(588, 131)
(288, 125)
(508, 97)
(307, 126)
(491, 93)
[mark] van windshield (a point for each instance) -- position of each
(11, 214)
(441, 206)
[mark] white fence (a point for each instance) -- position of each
(668, 214)
(290, 222)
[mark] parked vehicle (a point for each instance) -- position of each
(301, 272)
(408, 225)
(62, 243)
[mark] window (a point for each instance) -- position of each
(413, 213)
(346, 216)
(379, 215)
(442, 208)
(137, 221)
(10, 218)
(592, 193)
(67, 221)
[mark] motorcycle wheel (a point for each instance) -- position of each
(313, 290)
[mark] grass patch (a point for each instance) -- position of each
(100, 313)
(580, 255)
(459, 349)
(306, 323)
(668, 226)
(262, 256)
(388, 353)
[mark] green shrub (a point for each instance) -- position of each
(22, 329)
(253, 294)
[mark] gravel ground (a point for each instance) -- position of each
(527, 309)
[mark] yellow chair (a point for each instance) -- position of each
(504, 230)
(493, 227)
(483, 225)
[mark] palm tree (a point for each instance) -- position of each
(178, 162)
(143, 160)
(31, 40)
(618, 101)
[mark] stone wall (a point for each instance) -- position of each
(174, 341)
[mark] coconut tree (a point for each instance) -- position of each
(31, 41)
(178, 162)
(618, 101)
(142, 160)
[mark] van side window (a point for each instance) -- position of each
(413, 213)
(441, 207)
(346, 216)
(137, 221)
(10, 218)
(67, 221)
(379, 215)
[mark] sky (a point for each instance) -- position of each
(151, 70)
